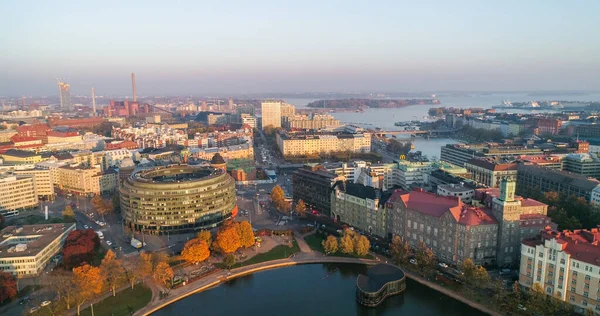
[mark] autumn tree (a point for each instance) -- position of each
(88, 283)
(301, 208)
(481, 277)
(330, 244)
(400, 250)
(278, 197)
(206, 236)
(79, 247)
(537, 300)
(145, 265)
(68, 214)
(347, 242)
(246, 234)
(63, 287)
(195, 251)
(467, 267)
(229, 260)
(102, 207)
(133, 267)
(163, 273)
(112, 271)
(228, 239)
(499, 292)
(361, 245)
(425, 257)
(8, 286)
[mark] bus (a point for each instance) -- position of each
(10, 213)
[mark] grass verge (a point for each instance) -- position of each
(314, 242)
(278, 252)
(125, 303)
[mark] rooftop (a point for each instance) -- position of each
(581, 244)
(40, 236)
(20, 153)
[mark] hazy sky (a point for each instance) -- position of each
(199, 47)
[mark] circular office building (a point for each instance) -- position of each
(381, 281)
(177, 199)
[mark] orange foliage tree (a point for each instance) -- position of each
(163, 273)
(112, 271)
(88, 282)
(228, 239)
(195, 251)
(246, 234)
(8, 286)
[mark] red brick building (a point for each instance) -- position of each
(549, 126)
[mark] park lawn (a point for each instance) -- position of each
(125, 303)
(278, 252)
(314, 242)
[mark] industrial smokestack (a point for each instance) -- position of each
(133, 84)
(93, 102)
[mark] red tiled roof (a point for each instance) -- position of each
(62, 134)
(491, 165)
(474, 216)
(432, 204)
(582, 245)
(17, 138)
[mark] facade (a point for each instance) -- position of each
(6, 135)
(64, 137)
(242, 151)
(549, 126)
(411, 173)
(510, 213)
(533, 177)
(381, 281)
(293, 144)
(17, 192)
(456, 231)
(313, 185)
(287, 110)
(43, 181)
(25, 250)
(271, 114)
(452, 229)
(459, 154)
(315, 122)
(584, 164)
(489, 172)
(360, 206)
(465, 194)
(64, 94)
(566, 264)
(250, 120)
(14, 156)
(177, 199)
(85, 181)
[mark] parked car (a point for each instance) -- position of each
(413, 261)
(34, 309)
(521, 307)
(86, 226)
(45, 303)
(443, 265)
(108, 242)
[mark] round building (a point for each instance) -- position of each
(381, 281)
(177, 199)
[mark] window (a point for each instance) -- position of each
(573, 289)
(572, 298)
(587, 277)
(585, 294)
(562, 261)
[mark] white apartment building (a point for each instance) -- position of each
(465, 194)
(271, 113)
(25, 251)
(16, 192)
(566, 264)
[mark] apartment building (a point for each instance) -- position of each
(360, 206)
(566, 264)
(462, 192)
(294, 144)
(271, 113)
(17, 192)
(42, 179)
(14, 156)
(489, 172)
(532, 177)
(313, 185)
(315, 122)
(25, 250)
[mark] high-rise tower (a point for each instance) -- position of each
(133, 85)
(271, 113)
(64, 94)
(93, 102)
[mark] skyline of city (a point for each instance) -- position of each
(198, 48)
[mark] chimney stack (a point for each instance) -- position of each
(93, 103)
(133, 84)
